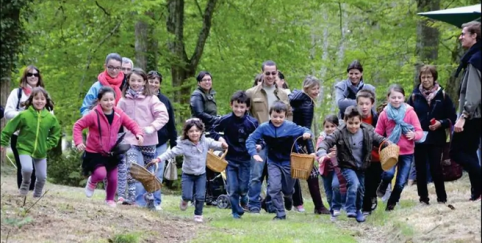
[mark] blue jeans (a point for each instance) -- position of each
(355, 182)
(332, 186)
(255, 181)
(160, 175)
(190, 183)
(237, 174)
(327, 184)
(403, 169)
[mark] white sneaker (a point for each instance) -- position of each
(336, 213)
(89, 188)
(300, 209)
(198, 218)
(158, 208)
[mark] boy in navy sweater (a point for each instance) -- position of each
(236, 127)
(279, 136)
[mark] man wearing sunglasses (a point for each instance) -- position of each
(262, 97)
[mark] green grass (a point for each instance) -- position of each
(299, 227)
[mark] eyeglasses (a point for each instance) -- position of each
(112, 68)
(32, 74)
(271, 73)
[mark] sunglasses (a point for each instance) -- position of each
(272, 73)
(32, 74)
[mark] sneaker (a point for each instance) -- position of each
(111, 203)
(374, 203)
(197, 218)
(351, 215)
(300, 209)
(236, 216)
(360, 217)
(183, 207)
(366, 213)
(390, 207)
(158, 208)
(425, 201)
(381, 190)
(336, 213)
(120, 200)
(279, 218)
(89, 188)
(254, 210)
(473, 199)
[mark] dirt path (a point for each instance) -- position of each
(66, 216)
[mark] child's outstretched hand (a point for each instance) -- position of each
(81, 147)
(224, 145)
(258, 158)
(140, 140)
(306, 136)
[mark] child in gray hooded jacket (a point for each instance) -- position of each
(194, 146)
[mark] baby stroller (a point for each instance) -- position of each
(218, 195)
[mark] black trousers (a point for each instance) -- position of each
(433, 155)
(13, 145)
(373, 176)
(314, 188)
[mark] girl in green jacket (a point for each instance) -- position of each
(39, 132)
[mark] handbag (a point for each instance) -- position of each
(451, 170)
(170, 173)
(118, 149)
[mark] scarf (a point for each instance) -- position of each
(430, 93)
(115, 83)
(464, 61)
(134, 94)
(397, 115)
(354, 89)
(27, 89)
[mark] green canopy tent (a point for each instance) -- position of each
(455, 16)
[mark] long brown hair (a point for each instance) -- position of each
(28, 69)
(138, 71)
(49, 105)
(189, 124)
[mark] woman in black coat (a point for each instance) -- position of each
(303, 104)
(436, 113)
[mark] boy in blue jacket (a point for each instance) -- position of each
(279, 136)
(236, 127)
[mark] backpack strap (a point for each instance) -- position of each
(19, 96)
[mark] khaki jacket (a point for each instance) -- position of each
(259, 103)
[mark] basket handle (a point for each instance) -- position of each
(222, 155)
(295, 143)
(380, 147)
(151, 163)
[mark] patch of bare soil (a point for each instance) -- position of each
(64, 215)
(456, 221)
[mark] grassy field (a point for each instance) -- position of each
(64, 214)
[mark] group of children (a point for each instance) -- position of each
(346, 153)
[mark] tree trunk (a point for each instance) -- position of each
(153, 47)
(141, 29)
(183, 67)
(427, 37)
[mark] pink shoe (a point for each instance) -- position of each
(111, 203)
(120, 200)
(300, 209)
(198, 218)
(89, 188)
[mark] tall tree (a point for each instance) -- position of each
(182, 66)
(427, 37)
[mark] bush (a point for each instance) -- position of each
(66, 169)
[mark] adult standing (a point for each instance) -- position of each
(281, 83)
(262, 98)
(346, 90)
(111, 76)
(127, 66)
(436, 112)
(467, 127)
(30, 79)
(303, 104)
(203, 104)
(166, 133)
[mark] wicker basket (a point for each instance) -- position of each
(389, 155)
(301, 164)
(215, 163)
(148, 179)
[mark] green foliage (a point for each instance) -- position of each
(126, 238)
(66, 169)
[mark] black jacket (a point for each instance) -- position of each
(1, 112)
(167, 132)
(203, 106)
(303, 108)
(344, 155)
(236, 131)
(441, 108)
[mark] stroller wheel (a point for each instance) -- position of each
(223, 202)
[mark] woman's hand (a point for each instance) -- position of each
(140, 140)
(155, 161)
(306, 136)
(224, 145)
(221, 139)
(81, 147)
(435, 126)
(257, 158)
(459, 125)
(258, 147)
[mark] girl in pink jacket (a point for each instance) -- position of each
(151, 115)
(399, 122)
(103, 122)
